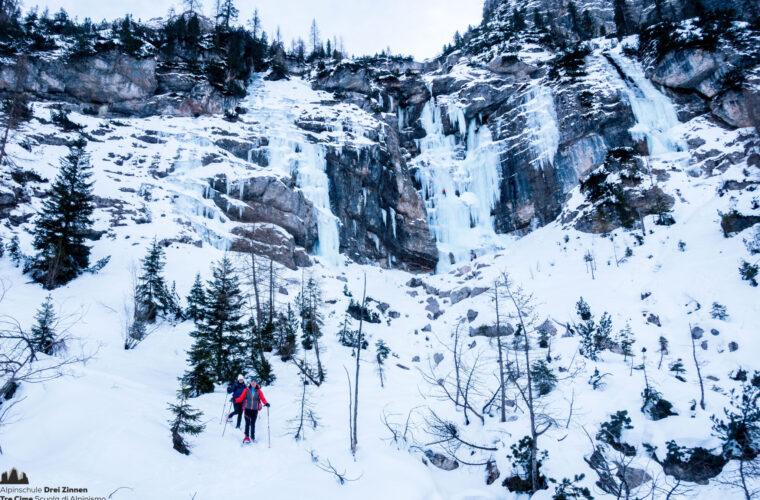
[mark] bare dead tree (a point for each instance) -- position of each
(358, 347)
(502, 385)
(447, 433)
(326, 466)
(400, 434)
(350, 411)
(570, 412)
(699, 371)
(254, 282)
(306, 370)
(461, 386)
(525, 315)
(743, 477)
(272, 283)
(306, 416)
(315, 301)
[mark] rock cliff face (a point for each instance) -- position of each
(392, 153)
(113, 83)
(550, 131)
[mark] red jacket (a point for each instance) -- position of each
(249, 397)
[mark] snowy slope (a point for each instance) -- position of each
(104, 425)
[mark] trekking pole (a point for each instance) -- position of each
(225, 426)
(224, 410)
(269, 436)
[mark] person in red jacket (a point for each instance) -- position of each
(253, 400)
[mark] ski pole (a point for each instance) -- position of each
(269, 436)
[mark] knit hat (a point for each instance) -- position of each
(240, 378)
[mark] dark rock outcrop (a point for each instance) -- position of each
(441, 461)
(382, 216)
(115, 83)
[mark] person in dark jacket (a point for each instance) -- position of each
(252, 400)
(236, 390)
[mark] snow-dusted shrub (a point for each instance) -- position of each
(749, 272)
(655, 406)
(753, 242)
(719, 311)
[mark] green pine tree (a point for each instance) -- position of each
(626, 341)
(152, 296)
(678, 370)
(544, 379)
(219, 349)
(196, 300)
(594, 338)
(312, 317)
(227, 14)
(63, 225)
(287, 334)
(14, 251)
(44, 336)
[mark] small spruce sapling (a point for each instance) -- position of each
(186, 421)
(381, 354)
(44, 336)
(544, 379)
(626, 340)
(596, 380)
(612, 432)
(749, 272)
(663, 350)
(678, 370)
(739, 434)
(719, 311)
(14, 251)
(520, 457)
(569, 490)
(594, 338)
(655, 406)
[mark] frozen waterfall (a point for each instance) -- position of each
(271, 104)
(460, 179)
(541, 122)
(656, 117)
